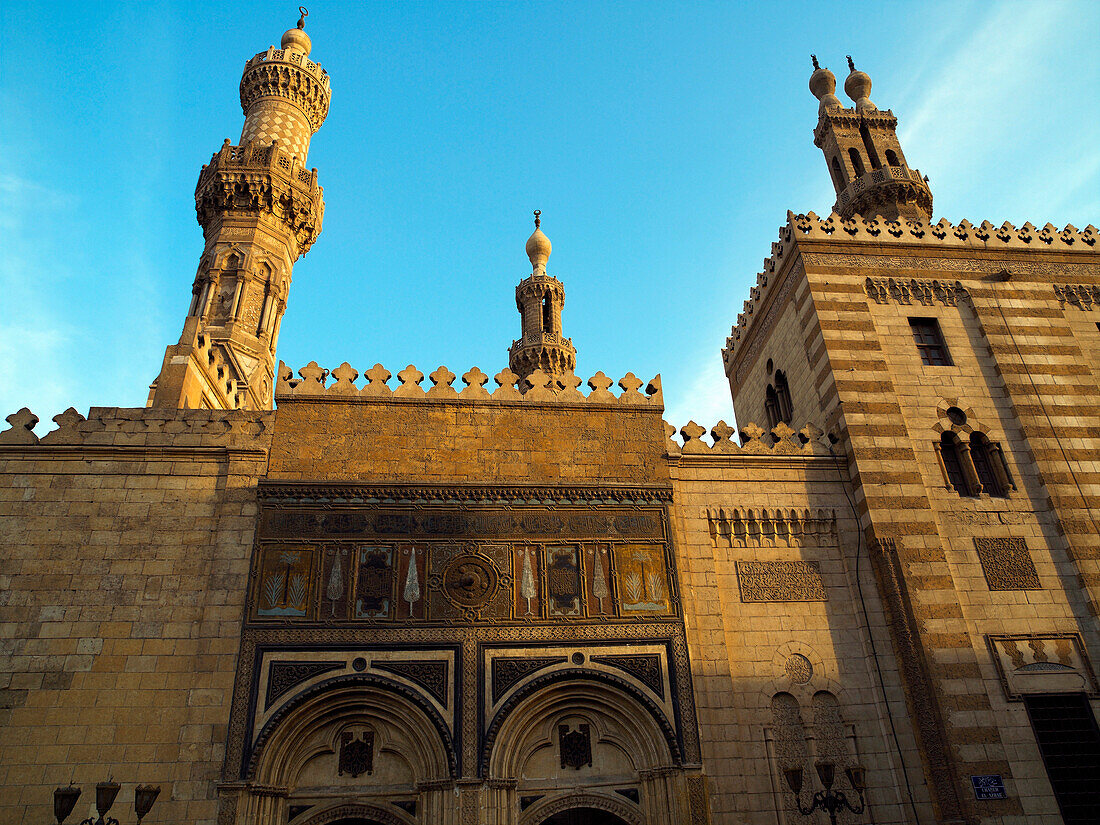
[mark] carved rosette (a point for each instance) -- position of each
(289, 75)
(261, 181)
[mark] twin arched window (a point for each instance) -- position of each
(777, 401)
(973, 467)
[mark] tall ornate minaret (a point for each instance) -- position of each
(861, 147)
(260, 208)
(540, 298)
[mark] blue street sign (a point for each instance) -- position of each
(988, 787)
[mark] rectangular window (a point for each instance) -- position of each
(1069, 742)
(926, 334)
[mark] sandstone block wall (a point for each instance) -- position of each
(126, 540)
(488, 442)
(769, 556)
(965, 579)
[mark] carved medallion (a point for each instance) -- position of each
(470, 581)
(356, 752)
(799, 669)
(575, 746)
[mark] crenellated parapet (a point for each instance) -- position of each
(110, 427)
(781, 440)
(880, 232)
(537, 388)
(261, 181)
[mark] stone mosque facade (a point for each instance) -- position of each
(349, 597)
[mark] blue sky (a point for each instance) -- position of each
(663, 143)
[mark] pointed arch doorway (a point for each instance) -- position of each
(583, 816)
(356, 820)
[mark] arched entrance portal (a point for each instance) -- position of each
(357, 821)
(583, 816)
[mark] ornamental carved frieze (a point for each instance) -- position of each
(1082, 296)
(908, 290)
(1006, 563)
(780, 581)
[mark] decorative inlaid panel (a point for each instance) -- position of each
(430, 674)
(507, 671)
(284, 676)
(484, 523)
(780, 581)
(1007, 564)
(643, 581)
(285, 582)
(645, 667)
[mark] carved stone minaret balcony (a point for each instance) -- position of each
(861, 147)
(540, 298)
(260, 209)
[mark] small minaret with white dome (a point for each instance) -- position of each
(861, 148)
(540, 298)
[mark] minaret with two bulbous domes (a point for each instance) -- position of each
(260, 208)
(540, 298)
(861, 148)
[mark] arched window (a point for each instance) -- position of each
(547, 313)
(857, 162)
(892, 158)
(838, 173)
(952, 458)
(987, 464)
(771, 406)
(872, 155)
(783, 397)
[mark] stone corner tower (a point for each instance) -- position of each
(863, 154)
(260, 208)
(540, 298)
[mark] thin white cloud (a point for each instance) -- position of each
(973, 98)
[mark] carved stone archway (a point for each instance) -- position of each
(368, 738)
(544, 810)
(338, 814)
(629, 744)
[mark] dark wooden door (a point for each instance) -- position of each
(1069, 741)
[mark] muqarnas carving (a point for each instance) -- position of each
(285, 582)
(780, 581)
(642, 579)
(1007, 564)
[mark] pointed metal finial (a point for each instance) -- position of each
(538, 221)
(851, 65)
(813, 57)
(302, 19)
